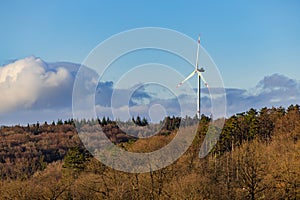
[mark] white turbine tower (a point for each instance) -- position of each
(199, 73)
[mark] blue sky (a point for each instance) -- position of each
(248, 40)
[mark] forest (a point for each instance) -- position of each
(257, 157)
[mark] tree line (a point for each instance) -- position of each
(257, 157)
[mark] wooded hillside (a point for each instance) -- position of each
(257, 157)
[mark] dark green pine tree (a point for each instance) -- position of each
(144, 122)
(59, 122)
(252, 121)
(138, 121)
(104, 122)
(75, 160)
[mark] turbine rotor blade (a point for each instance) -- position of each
(197, 56)
(187, 78)
(199, 74)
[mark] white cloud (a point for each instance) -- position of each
(27, 82)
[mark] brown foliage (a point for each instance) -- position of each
(263, 166)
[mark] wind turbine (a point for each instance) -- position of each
(199, 73)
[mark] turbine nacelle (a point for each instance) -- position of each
(201, 70)
(196, 71)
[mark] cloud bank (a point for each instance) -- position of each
(30, 84)
(34, 90)
(274, 90)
